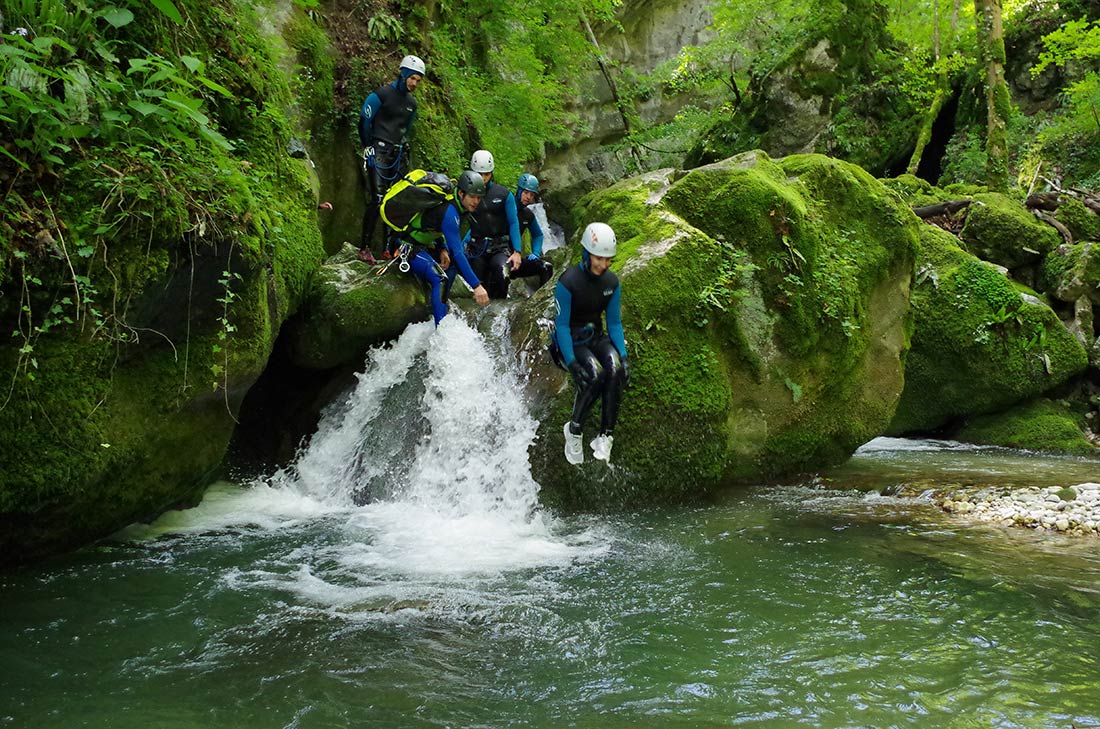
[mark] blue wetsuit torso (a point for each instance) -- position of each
(580, 300)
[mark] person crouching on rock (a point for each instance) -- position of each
(437, 230)
(597, 361)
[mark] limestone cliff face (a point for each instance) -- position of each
(651, 34)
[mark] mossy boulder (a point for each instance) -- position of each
(915, 191)
(1000, 230)
(1072, 272)
(1082, 222)
(1049, 426)
(349, 309)
(981, 342)
(765, 305)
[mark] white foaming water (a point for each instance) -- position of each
(421, 474)
(552, 235)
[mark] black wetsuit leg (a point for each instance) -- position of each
(613, 383)
(536, 267)
(585, 398)
(379, 177)
(497, 271)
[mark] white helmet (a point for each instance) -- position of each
(482, 161)
(599, 240)
(413, 63)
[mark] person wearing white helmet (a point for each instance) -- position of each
(494, 241)
(585, 296)
(385, 123)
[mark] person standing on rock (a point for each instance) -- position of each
(432, 247)
(584, 296)
(385, 123)
(527, 194)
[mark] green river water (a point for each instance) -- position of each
(780, 606)
(423, 587)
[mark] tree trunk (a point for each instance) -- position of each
(600, 59)
(991, 44)
(936, 30)
(925, 135)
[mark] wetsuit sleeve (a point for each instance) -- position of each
(409, 126)
(536, 237)
(513, 222)
(454, 246)
(615, 322)
(366, 118)
(563, 304)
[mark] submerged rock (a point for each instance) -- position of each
(765, 305)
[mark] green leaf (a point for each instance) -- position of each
(118, 17)
(144, 108)
(169, 10)
(193, 64)
(85, 251)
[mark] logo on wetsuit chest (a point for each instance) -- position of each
(608, 292)
(497, 200)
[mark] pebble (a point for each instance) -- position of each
(1074, 510)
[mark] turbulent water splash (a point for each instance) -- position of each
(421, 469)
(433, 421)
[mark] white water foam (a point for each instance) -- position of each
(421, 471)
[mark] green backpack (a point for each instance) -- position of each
(413, 194)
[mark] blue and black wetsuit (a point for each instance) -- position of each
(434, 230)
(532, 265)
(494, 235)
(385, 123)
(581, 301)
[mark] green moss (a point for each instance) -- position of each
(1082, 222)
(748, 379)
(977, 345)
(129, 409)
(914, 191)
(1039, 425)
(1001, 230)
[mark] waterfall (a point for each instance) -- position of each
(552, 234)
(422, 468)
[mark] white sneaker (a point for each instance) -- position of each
(601, 447)
(574, 448)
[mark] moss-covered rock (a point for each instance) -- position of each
(1000, 230)
(980, 342)
(765, 307)
(349, 309)
(1043, 425)
(156, 281)
(915, 191)
(1079, 219)
(1071, 272)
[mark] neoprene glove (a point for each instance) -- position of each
(532, 257)
(581, 376)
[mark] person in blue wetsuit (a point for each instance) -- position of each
(385, 123)
(433, 246)
(585, 295)
(527, 194)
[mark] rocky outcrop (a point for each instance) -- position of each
(155, 281)
(765, 304)
(980, 341)
(350, 307)
(645, 35)
(825, 94)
